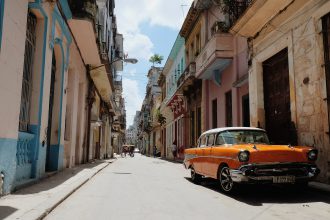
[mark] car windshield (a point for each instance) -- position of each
(242, 137)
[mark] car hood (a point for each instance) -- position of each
(276, 153)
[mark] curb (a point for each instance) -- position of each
(319, 186)
(49, 210)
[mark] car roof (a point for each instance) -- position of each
(217, 130)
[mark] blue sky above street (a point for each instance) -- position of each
(148, 27)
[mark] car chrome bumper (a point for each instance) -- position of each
(268, 173)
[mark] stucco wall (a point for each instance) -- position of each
(11, 71)
(299, 31)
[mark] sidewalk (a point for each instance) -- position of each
(34, 202)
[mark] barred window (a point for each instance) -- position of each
(30, 42)
(2, 6)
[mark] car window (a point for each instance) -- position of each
(210, 140)
(203, 141)
(220, 140)
(243, 137)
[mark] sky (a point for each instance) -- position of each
(149, 27)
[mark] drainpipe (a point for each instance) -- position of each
(2, 180)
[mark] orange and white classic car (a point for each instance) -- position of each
(244, 155)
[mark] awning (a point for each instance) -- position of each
(102, 84)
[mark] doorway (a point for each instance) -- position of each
(50, 115)
(326, 45)
(246, 110)
(277, 98)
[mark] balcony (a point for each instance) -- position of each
(83, 9)
(115, 110)
(260, 13)
(188, 73)
(82, 24)
(215, 56)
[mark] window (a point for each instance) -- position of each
(214, 113)
(192, 127)
(30, 43)
(198, 45)
(182, 65)
(243, 137)
(199, 121)
(229, 114)
(203, 141)
(219, 140)
(210, 140)
(2, 6)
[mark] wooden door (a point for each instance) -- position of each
(326, 46)
(277, 98)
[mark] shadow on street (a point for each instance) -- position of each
(257, 195)
(57, 179)
(6, 211)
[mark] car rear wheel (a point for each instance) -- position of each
(226, 182)
(195, 177)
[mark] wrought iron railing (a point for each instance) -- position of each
(235, 8)
(188, 72)
(84, 9)
(24, 148)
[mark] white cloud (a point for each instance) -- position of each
(131, 14)
(132, 97)
(138, 46)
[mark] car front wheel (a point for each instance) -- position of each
(226, 182)
(195, 177)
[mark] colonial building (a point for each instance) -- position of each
(56, 92)
(289, 74)
(149, 128)
(172, 112)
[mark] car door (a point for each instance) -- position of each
(200, 154)
(217, 152)
(207, 155)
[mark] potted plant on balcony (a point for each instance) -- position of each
(160, 118)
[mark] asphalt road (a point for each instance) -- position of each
(149, 188)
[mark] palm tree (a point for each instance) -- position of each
(156, 58)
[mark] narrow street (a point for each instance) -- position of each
(151, 188)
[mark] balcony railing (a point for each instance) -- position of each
(235, 8)
(188, 72)
(83, 9)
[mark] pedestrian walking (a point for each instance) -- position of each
(155, 151)
(174, 149)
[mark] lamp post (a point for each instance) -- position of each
(126, 60)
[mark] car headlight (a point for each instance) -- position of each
(244, 156)
(312, 155)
